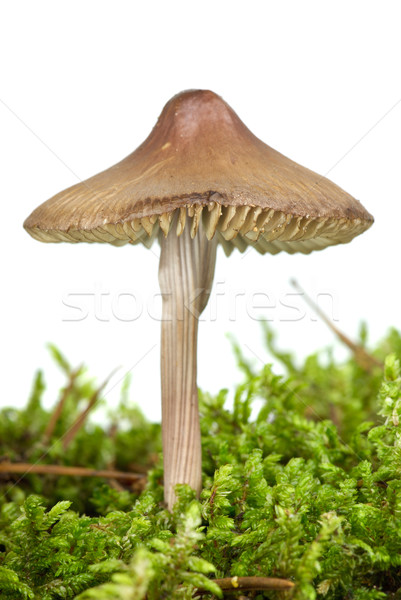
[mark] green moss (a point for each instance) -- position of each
(301, 481)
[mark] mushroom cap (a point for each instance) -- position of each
(201, 161)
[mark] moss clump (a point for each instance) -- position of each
(301, 481)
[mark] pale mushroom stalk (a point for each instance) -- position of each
(186, 275)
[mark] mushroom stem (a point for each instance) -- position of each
(185, 275)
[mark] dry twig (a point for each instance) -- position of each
(79, 421)
(28, 469)
(365, 360)
(236, 584)
(59, 406)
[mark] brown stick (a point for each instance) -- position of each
(365, 360)
(59, 407)
(27, 469)
(79, 421)
(235, 584)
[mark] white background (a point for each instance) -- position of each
(81, 86)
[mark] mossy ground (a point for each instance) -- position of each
(307, 488)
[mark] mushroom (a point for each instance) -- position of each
(200, 179)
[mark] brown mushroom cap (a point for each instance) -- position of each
(201, 161)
